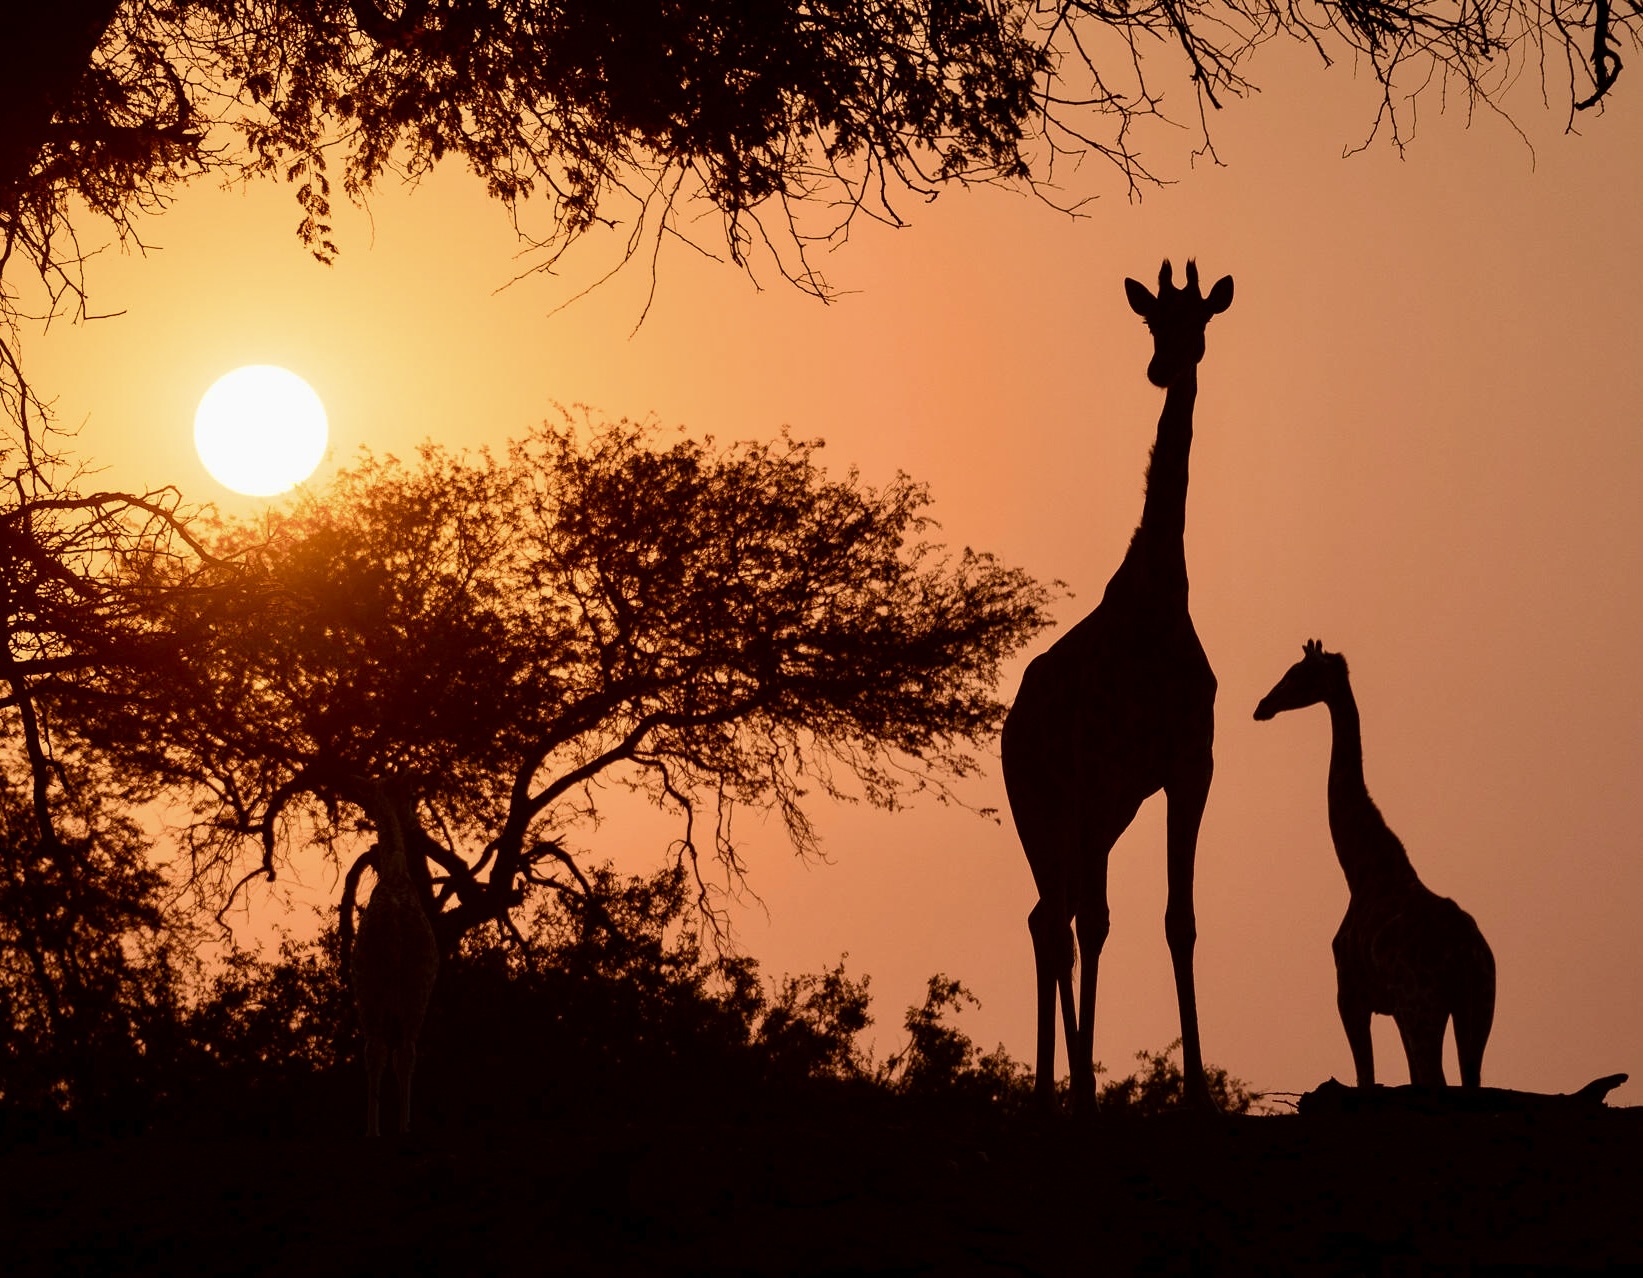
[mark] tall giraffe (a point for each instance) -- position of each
(394, 960)
(1118, 708)
(1402, 950)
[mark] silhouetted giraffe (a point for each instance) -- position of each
(1118, 708)
(394, 962)
(1402, 950)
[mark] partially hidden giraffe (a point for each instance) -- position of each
(393, 964)
(1118, 708)
(1402, 950)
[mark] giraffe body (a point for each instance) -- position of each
(394, 963)
(1402, 950)
(1120, 707)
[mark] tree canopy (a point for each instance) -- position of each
(471, 647)
(789, 117)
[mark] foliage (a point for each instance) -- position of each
(267, 1021)
(589, 104)
(786, 118)
(641, 104)
(613, 1000)
(578, 117)
(1158, 1086)
(89, 981)
(80, 597)
(619, 112)
(85, 982)
(940, 1059)
(810, 1029)
(618, 986)
(464, 649)
(612, 1006)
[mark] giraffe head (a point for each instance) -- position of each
(1177, 318)
(1310, 680)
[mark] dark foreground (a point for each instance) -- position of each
(846, 1184)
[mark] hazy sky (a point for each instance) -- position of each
(1418, 439)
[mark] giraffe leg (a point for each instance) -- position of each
(1186, 798)
(1473, 1020)
(1105, 813)
(1475, 1015)
(1053, 960)
(1094, 922)
(1354, 1012)
(376, 1059)
(1421, 1030)
(1069, 1014)
(404, 1066)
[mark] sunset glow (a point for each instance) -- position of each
(1401, 449)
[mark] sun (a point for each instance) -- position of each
(260, 430)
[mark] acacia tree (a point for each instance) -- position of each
(470, 648)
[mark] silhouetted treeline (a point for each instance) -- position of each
(624, 1008)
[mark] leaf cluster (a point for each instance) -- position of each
(940, 1060)
(634, 100)
(1159, 1086)
(812, 1026)
(101, 112)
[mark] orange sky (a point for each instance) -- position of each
(1418, 439)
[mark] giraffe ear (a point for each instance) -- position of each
(1220, 297)
(1141, 301)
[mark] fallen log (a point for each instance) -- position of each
(1335, 1097)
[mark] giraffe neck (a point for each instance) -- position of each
(1371, 856)
(1164, 516)
(391, 862)
(392, 870)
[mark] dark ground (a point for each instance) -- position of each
(846, 1184)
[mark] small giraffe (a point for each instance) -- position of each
(394, 962)
(1118, 708)
(1402, 950)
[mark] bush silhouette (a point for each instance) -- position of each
(616, 1007)
(1158, 1086)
